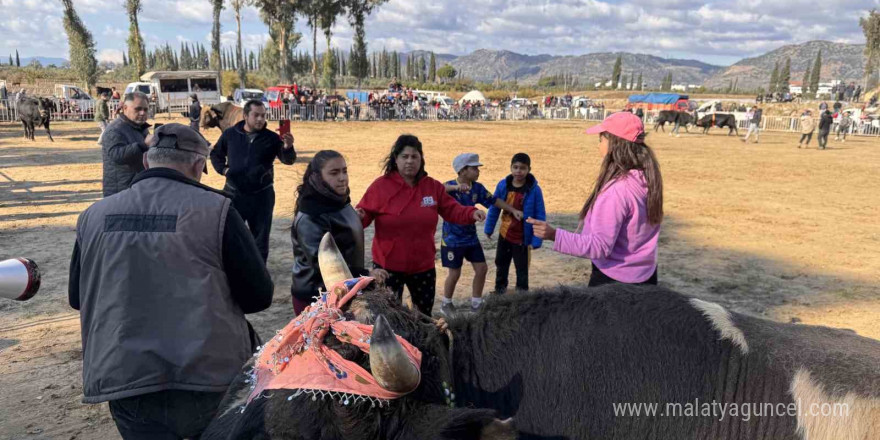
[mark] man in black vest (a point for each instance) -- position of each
(195, 112)
(162, 274)
(244, 154)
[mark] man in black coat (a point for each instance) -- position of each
(244, 154)
(825, 122)
(124, 143)
(195, 112)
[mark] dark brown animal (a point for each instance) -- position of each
(35, 112)
(571, 363)
(222, 116)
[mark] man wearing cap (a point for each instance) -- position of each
(195, 112)
(460, 242)
(244, 154)
(162, 274)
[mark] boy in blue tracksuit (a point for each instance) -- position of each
(515, 238)
(460, 242)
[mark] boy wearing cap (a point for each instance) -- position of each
(515, 237)
(460, 242)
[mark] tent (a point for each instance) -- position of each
(657, 98)
(473, 95)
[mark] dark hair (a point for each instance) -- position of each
(623, 156)
(521, 158)
(316, 165)
(405, 140)
(251, 103)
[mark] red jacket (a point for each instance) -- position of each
(406, 220)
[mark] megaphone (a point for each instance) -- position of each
(19, 279)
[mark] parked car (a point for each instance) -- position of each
(242, 96)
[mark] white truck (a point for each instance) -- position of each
(170, 90)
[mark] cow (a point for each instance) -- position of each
(34, 112)
(567, 363)
(222, 115)
(677, 119)
(718, 120)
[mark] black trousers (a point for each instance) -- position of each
(598, 278)
(521, 256)
(422, 287)
(171, 414)
(823, 139)
(807, 136)
(256, 210)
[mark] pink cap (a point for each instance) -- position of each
(624, 125)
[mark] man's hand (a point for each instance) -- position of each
(148, 139)
(542, 229)
(479, 216)
(464, 187)
(288, 141)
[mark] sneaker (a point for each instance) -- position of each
(476, 307)
(447, 310)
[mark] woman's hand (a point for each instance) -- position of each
(542, 229)
(379, 275)
(479, 216)
(360, 212)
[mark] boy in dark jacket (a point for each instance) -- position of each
(825, 123)
(516, 240)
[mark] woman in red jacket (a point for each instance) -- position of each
(405, 204)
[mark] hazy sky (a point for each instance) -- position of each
(714, 31)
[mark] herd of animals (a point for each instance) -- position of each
(555, 364)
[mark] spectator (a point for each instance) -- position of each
(754, 118)
(516, 240)
(323, 205)
(857, 93)
(195, 112)
(620, 221)
(102, 113)
(405, 204)
(823, 106)
(807, 127)
(825, 122)
(843, 127)
(162, 295)
(850, 90)
(124, 143)
(114, 93)
(244, 154)
(460, 242)
(837, 106)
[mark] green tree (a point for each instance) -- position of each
(280, 17)
(216, 61)
(774, 78)
(871, 28)
(124, 60)
(17, 60)
(239, 59)
(11, 63)
(432, 68)
(81, 46)
(805, 84)
(615, 74)
(446, 73)
(422, 70)
(641, 84)
(136, 51)
(816, 74)
(358, 10)
(784, 77)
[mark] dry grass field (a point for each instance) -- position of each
(765, 228)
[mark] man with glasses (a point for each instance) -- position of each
(124, 143)
(244, 154)
(163, 274)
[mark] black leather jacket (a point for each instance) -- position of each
(306, 235)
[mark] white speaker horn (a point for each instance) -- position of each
(19, 279)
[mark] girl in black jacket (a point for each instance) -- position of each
(323, 205)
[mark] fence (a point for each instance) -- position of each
(84, 110)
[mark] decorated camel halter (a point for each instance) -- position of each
(296, 358)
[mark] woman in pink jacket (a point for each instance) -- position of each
(620, 221)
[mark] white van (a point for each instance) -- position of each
(172, 89)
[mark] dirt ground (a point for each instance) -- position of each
(767, 229)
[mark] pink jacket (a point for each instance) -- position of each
(616, 234)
